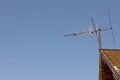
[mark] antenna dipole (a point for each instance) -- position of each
(111, 26)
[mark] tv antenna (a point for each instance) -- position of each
(95, 30)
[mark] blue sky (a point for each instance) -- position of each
(32, 42)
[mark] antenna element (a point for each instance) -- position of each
(111, 26)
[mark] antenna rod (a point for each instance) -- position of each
(97, 33)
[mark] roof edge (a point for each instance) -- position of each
(102, 49)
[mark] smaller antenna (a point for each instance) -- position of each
(90, 31)
(94, 30)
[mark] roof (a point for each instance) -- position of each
(112, 59)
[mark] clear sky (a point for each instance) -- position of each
(32, 42)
